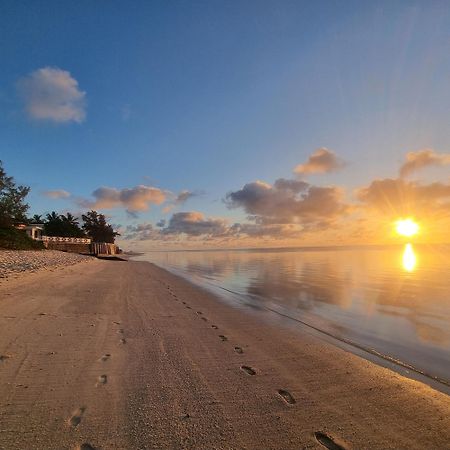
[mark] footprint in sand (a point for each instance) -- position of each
(183, 303)
(224, 338)
(121, 331)
(123, 341)
(327, 442)
(215, 327)
(238, 350)
(75, 420)
(286, 396)
(4, 357)
(105, 357)
(199, 313)
(102, 379)
(248, 370)
(85, 446)
(188, 307)
(204, 318)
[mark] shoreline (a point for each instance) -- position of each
(127, 355)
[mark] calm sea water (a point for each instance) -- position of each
(395, 301)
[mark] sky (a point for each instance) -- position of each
(231, 123)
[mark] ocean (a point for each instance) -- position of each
(391, 302)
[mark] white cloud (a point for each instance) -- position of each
(52, 94)
(58, 193)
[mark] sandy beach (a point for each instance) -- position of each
(124, 355)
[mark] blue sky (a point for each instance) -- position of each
(207, 96)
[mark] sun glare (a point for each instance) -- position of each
(409, 258)
(406, 227)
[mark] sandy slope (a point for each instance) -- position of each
(123, 355)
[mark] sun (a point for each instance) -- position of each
(406, 227)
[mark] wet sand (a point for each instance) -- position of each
(124, 355)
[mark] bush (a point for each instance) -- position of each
(13, 239)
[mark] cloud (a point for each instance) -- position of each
(184, 196)
(140, 232)
(52, 94)
(321, 161)
(401, 198)
(179, 200)
(58, 193)
(294, 186)
(289, 201)
(423, 158)
(257, 230)
(194, 223)
(136, 199)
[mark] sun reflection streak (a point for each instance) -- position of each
(409, 258)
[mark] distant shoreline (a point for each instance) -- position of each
(294, 249)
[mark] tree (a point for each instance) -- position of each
(60, 225)
(37, 218)
(12, 200)
(71, 225)
(97, 228)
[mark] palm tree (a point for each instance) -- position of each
(52, 217)
(37, 218)
(70, 219)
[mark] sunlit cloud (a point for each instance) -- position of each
(288, 201)
(52, 94)
(56, 194)
(421, 159)
(179, 200)
(322, 160)
(136, 199)
(194, 223)
(258, 230)
(140, 232)
(401, 198)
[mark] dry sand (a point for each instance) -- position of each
(124, 355)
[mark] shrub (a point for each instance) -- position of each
(13, 239)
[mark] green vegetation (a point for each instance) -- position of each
(12, 200)
(12, 239)
(62, 225)
(12, 210)
(97, 228)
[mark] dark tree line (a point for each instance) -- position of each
(94, 226)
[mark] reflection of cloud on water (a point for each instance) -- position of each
(425, 332)
(432, 334)
(409, 298)
(306, 289)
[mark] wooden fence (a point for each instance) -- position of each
(103, 248)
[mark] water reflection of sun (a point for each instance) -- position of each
(409, 259)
